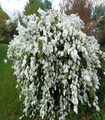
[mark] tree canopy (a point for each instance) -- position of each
(33, 5)
(3, 27)
(101, 27)
(98, 11)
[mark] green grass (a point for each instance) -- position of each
(11, 107)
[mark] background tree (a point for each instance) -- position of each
(47, 5)
(4, 29)
(33, 5)
(101, 28)
(98, 15)
(13, 27)
(90, 29)
(98, 12)
(82, 7)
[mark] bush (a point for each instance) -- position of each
(56, 65)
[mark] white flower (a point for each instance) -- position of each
(17, 86)
(41, 11)
(5, 61)
(54, 60)
(75, 109)
(24, 20)
(8, 22)
(87, 77)
(97, 108)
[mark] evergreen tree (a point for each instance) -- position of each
(34, 5)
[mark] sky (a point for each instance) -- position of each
(9, 6)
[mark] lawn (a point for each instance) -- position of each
(11, 107)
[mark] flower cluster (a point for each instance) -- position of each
(56, 64)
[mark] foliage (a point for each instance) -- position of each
(47, 5)
(13, 26)
(81, 113)
(101, 23)
(99, 15)
(34, 5)
(56, 65)
(7, 31)
(4, 29)
(101, 26)
(82, 7)
(98, 12)
(98, 115)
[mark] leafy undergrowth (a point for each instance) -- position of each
(11, 107)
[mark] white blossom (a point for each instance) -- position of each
(55, 63)
(5, 61)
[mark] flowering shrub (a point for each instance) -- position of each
(56, 64)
